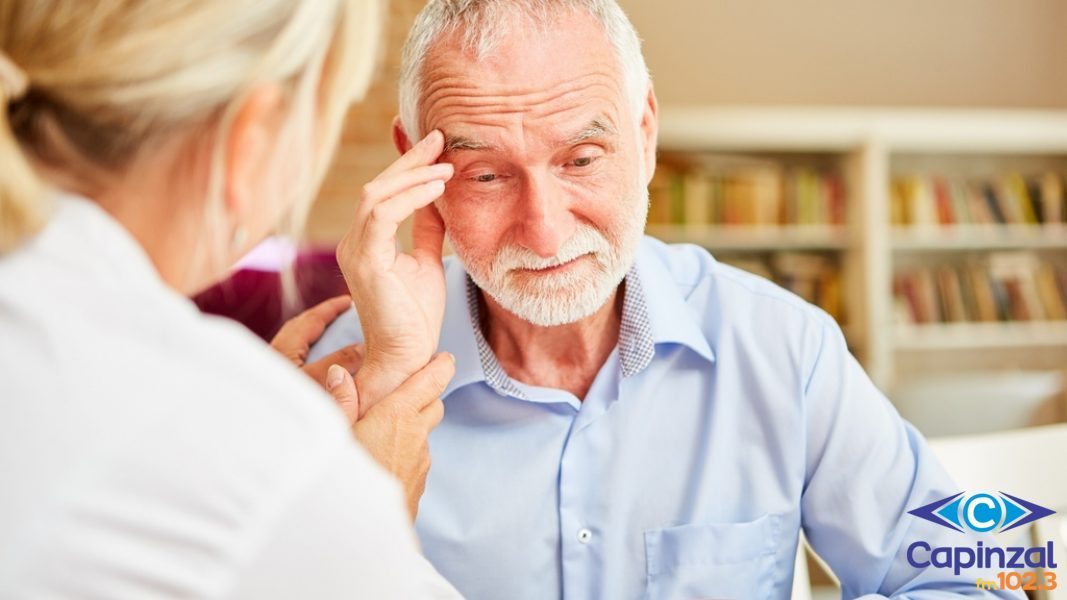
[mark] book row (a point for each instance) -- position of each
(750, 196)
(922, 201)
(1002, 286)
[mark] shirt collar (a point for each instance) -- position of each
(672, 319)
(494, 373)
(457, 330)
(662, 317)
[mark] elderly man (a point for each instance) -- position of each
(628, 419)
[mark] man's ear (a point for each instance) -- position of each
(650, 133)
(250, 146)
(400, 137)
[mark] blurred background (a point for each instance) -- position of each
(900, 164)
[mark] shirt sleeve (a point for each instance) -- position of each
(865, 469)
(343, 536)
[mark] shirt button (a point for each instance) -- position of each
(585, 536)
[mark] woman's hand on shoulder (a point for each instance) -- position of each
(297, 335)
(395, 430)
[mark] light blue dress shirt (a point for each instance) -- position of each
(729, 415)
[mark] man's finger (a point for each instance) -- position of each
(343, 389)
(428, 234)
(426, 386)
(423, 153)
(383, 188)
(384, 220)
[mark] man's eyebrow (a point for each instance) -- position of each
(456, 143)
(597, 128)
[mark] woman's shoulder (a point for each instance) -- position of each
(125, 370)
(238, 376)
(176, 436)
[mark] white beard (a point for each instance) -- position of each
(552, 299)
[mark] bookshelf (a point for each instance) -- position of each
(872, 246)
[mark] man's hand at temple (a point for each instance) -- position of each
(401, 296)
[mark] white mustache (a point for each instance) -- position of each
(587, 240)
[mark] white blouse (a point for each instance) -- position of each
(148, 451)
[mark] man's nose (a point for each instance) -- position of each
(546, 218)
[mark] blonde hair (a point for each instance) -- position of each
(107, 78)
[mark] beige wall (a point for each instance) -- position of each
(366, 144)
(985, 53)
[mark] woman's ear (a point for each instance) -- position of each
(250, 146)
(400, 137)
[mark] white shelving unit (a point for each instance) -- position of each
(968, 336)
(988, 237)
(868, 144)
(796, 237)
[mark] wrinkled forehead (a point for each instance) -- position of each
(554, 78)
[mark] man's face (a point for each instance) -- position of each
(549, 198)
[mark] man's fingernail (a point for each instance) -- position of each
(334, 376)
(451, 357)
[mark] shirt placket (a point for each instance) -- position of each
(581, 514)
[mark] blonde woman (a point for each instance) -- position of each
(147, 451)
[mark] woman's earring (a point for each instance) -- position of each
(240, 236)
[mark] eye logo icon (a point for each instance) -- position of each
(981, 512)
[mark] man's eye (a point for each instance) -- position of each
(485, 177)
(583, 161)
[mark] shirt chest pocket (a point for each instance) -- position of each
(717, 560)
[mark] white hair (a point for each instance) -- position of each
(483, 23)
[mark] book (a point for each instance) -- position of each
(697, 204)
(982, 289)
(948, 283)
(1052, 198)
(1051, 299)
(1015, 271)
